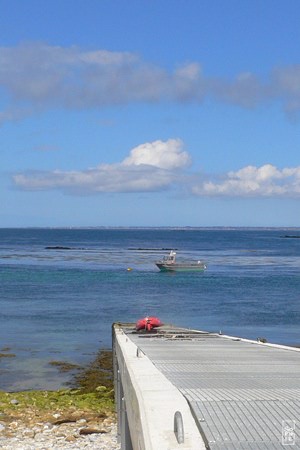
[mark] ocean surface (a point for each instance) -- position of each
(61, 290)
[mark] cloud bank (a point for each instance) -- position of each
(149, 167)
(36, 76)
(251, 181)
(164, 165)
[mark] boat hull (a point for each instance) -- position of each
(163, 267)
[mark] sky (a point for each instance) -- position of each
(149, 113)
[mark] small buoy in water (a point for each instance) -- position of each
(129, 269)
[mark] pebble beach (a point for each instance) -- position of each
(77, 434)
(81, 418)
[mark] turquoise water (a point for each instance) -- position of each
(59, 304)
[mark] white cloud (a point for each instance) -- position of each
(165, 155)
(114, 178)
(161, 165)
(251, 181)
(150, 167)
(37, 76)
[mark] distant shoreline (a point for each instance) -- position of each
(179, 228)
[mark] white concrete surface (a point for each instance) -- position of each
(151, 402)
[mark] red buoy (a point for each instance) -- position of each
(148, 323)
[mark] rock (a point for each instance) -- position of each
(71, 438)
(81, 421)
(88, 430)
(28, 433)
(65, 420)
(14, 401)
(14, 425)
(42, 435)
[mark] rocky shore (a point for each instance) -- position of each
(60, 433)
(81, 417)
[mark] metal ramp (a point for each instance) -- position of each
(244, 395)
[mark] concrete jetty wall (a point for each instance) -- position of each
(147, 403)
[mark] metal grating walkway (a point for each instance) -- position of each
(240, 392)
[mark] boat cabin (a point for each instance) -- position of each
(171, 258)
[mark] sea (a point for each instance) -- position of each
(62, 289)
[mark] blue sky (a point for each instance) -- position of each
(150, 113)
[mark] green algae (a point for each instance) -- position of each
(64, 366)
(62, 400)
(91, 392)
(7, 355)
(98, 373)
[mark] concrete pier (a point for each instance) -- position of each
(186, 389)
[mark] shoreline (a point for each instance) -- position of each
(166, 227)
(68, 430)
(82, 416)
